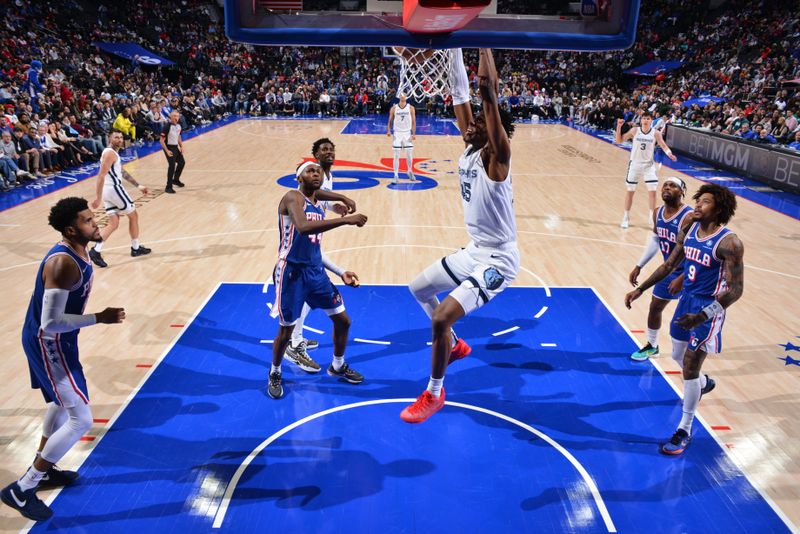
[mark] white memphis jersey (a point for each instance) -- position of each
(643, 146)
(488, 205)
(402, 118)
(114, 176)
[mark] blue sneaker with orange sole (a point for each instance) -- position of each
(677, 443)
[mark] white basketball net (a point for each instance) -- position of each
(423, 72)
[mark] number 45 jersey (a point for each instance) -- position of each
(488, 205)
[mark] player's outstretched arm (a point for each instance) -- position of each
(675, 259)
(498, 139)
(731, 250)
(293, 204)
(459, 90)
(664, 146)
(618, 137)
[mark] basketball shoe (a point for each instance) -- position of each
(57, 478)
(141, 251)
(346, 372)
(25, 502)
(677, 443)
(648, 351)
(97, 258)
(275, 388)
(425, 406)
(298, 356)
(710, 385)
(460, 351)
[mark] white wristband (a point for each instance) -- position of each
(141, 187)
(712, 310)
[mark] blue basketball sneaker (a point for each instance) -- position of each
(648, 351)
(677, 444)
(57, 478)
(25, 502)
(710, 385)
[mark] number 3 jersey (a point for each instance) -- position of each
(488, 205)
(298, 248)
(704, 271)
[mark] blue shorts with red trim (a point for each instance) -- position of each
(297, 283)
(55, 368)
(706, 336)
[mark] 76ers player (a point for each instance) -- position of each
(299, 275)
(668, 221)
(50, 340)
(479, 272)
(713, 269)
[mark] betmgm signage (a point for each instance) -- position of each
(776, 167)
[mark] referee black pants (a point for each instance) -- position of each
(176, 163)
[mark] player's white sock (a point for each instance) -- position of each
(274, 369)
(99, 246)
(30, 479)
(396, 161)
(703, 381)
(135, 244)
(297, 332)
(435, 386)
(652, 337)
(338, 362)
(627, 215)
(409, 162)
(691, 395)
(678, 350)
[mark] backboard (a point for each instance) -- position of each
(586, 25)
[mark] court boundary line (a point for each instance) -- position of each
(775, 508)
(222, 510)
(108, 426)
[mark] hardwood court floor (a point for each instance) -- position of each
(568, 197)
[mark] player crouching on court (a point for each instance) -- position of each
(713, 269)
(299, 275)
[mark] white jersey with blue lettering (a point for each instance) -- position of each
(644, 145)
(115, 198)
(402, 119)
(488, 205)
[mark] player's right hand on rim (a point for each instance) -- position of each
(111, 315)
(358, 219)
(634, 275)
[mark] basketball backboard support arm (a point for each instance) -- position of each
(248, 22)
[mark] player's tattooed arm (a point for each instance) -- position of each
(132, 180)
(731, 250)
(675, 259)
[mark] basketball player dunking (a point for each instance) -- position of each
(403, 120)
(299, 275)
(642, 162)
(50, 341)
(297, 351)
(490, 262)
(116, 200)
(668, 221)
(713, 268)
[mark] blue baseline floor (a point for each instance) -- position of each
(166, 461)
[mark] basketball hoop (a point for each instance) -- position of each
(423, 72)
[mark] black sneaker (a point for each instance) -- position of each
(141, 251)
(57, 478)
(274, 388)
(178, 183)
(710, 385)
(25, 502)
(677, 443)
(169, 190)
(96, 258)
(346, 372)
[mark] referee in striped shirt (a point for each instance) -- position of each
(173, 149)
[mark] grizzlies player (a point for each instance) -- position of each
(642, 164)
(116, 200)
(299, 275)
(713, 268)
(50, 341)
(403, 120)
(668, 221)
(479, 272)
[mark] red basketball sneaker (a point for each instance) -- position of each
(425, 406)
(460, 351)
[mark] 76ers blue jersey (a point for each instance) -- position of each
(295, 247)
(667, 231)
(703, 269)
(78, 295)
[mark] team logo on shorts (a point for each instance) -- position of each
(694, 342)
(337, 299)
(493, 278)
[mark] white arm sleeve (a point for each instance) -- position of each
(332, 267)
(54, 320)
(650, 250)
(459, 82)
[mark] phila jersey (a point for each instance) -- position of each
(298, 248)
(488, 205)
(667, 231)
(704, 270)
